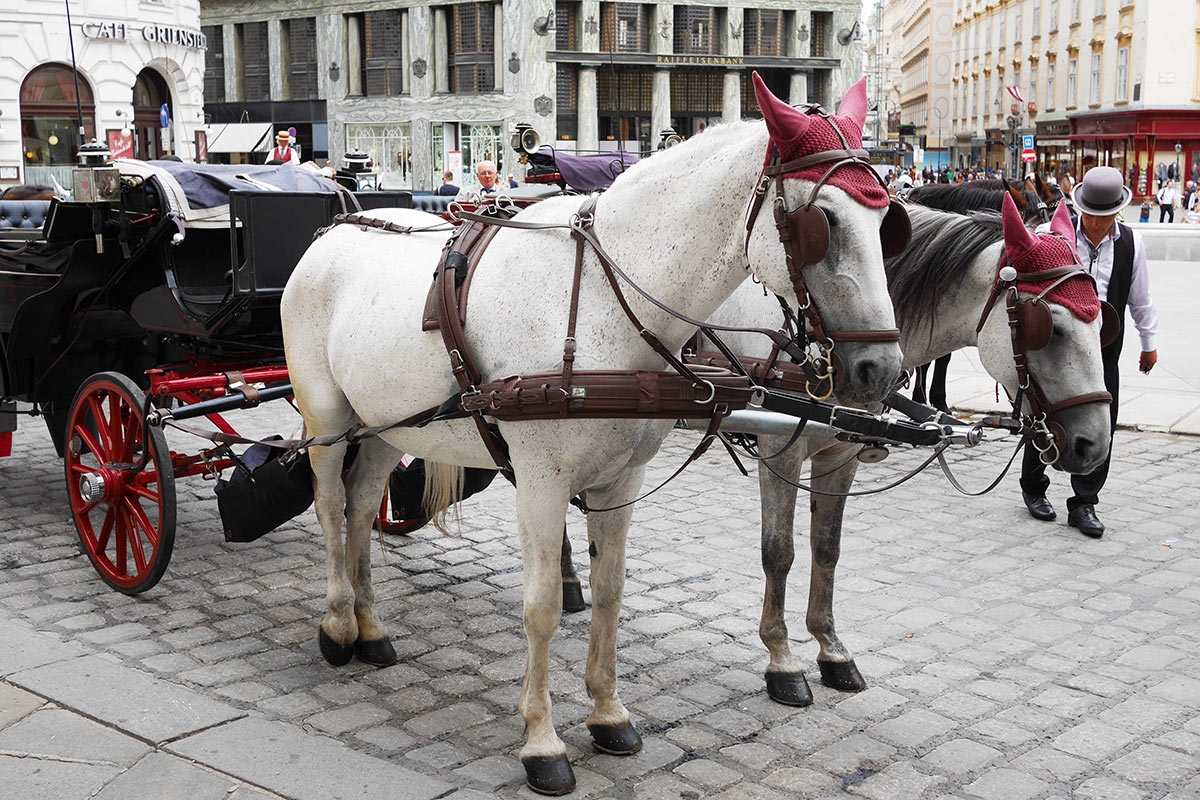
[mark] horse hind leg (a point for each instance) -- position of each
(785, 678)
(364, 487)
(838, 670)
(609, 724)
(572, 589)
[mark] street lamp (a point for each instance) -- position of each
(1178, 174)
(941, 114)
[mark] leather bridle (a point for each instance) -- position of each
(1030, 325)
(804, 232)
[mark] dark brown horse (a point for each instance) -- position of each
(24, 191)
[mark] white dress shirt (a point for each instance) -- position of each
(1099, 262)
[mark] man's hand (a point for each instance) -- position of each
(1148, 360)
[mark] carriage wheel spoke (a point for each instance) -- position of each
(102, 430)
(105, 530)
(130, 437)
(138, 514)
(91, 444)
(115, 426)
(122, 527)
(142, 491)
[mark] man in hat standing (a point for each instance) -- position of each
(1115, 255)
(283, 152)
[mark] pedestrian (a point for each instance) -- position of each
(486, 174)
(512, 182)
(283, 152)
(1185, 199)
(1166, 201)
(447, 189)
(1116, 258)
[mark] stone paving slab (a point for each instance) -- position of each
(25, 649)
(165, 777)
(125, 698)
(304, 766)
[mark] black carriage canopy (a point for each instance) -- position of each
(199, 193)
(584, 173)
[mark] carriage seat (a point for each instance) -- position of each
(23, 213)
(433, 203)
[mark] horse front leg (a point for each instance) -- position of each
(572, 588)
(834, 470)
(785, 677)
(338, 630)
(609, 724)
(364, 488)
(541, 511)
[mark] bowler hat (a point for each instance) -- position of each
(1101, 192)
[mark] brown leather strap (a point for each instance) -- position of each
(1079, 400)
(237, 383)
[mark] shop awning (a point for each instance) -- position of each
(239, 137)
(1053, 142)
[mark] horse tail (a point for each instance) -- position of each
(443, 491)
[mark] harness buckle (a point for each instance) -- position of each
(712, 393)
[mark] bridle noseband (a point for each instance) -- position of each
(804, 232)
(1030, 325)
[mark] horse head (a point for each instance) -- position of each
(825, 254)
(1058, 331)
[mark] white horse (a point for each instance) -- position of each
(939, 287)
(351, 317)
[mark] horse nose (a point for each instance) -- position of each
(1088, 450)
(874, 376)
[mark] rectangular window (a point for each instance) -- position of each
(567, 89)
(256, 61)
(1099, 9)
(472, 48)
(695, 91)
(300, 37)
(1072, 75)
(214, 65)
(1050, 85)
(762, 32)
(1096, 57)
(820, 22)
(382, 61)
(624, 28)
(566, 26)
(1033, 84)
(696, 30)
(1002, 31)
(975, 101)
(1017, 37)
(1053, 15)
(1123, 74)
(987, 39)
(1037, 22)
(1075, 11)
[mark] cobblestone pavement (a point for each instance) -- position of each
(1006, 658)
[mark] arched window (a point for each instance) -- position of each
(49, 115)
(150, 93)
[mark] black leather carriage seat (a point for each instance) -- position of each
(433, 203)
(23, 213)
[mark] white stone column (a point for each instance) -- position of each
(354, 55)
(406, 51)
(731, 96)
(329, 52)
(589, 42)
(798, 89)
(420, 54)
(499, 59)
(234, 90)
(660, 109)
(440, 64)
(587, 111)
(279, 63)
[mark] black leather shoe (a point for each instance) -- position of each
(1040, 508)
(1084, 518)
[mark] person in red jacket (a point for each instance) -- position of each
(283, 152)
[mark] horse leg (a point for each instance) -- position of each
(838, 670)
(364, 487)
(572, 588)
(609, 724)
(339, 628)
(785, 677)
(541, 511)
(919, 376)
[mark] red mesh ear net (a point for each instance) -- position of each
(1077, 294)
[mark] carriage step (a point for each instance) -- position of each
(5, 445)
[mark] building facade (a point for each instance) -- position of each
(1104, 82)
(132, 58)
(926, 28)
(428, 88)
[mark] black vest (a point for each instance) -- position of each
(1119, 283)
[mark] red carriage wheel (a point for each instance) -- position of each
(125, 517)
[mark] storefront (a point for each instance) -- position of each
(1052, 146)
(1148, 146)
(129, 64)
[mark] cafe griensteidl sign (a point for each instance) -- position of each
(160, 34)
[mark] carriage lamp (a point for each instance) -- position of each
(93, 154)
(120, 114)
(357, 161)
(668, 138)
(525, 141)
(1, 120)
(543, 26)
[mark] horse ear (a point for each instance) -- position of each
(1061, 223)
(1017, 239)
(786, 125)
(854, 104)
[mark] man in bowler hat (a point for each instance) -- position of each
(1115, 255)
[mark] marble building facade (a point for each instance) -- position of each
(431, 87)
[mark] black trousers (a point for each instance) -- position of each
(1166, 211)
(1087, 488)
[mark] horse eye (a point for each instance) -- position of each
(832, 219)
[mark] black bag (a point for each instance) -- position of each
(276, 486)
(406, 485)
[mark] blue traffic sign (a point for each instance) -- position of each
(164, 115)
(1027, 141)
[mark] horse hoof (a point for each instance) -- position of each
(617, 740)
(336, 654)
(841, 675)
(573, 597)
(789, 688)
(549, 774)
(378, 653)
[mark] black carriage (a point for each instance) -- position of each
(163, 291)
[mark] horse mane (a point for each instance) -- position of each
(981, 195)
(943, 247)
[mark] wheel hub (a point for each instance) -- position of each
(92, 487)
